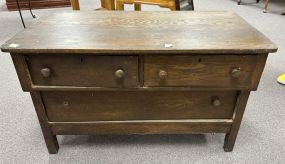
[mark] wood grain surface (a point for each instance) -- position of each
(142, 127)
(200, 70)
(82, 70)
(139, 72)
(140, 32)
(37, 4)
(50, 138)
(156, 105)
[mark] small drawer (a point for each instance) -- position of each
(136, 105)
(221, 71)
(83, 70)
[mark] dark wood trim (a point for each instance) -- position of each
(141, 127)
(22, 71)
(50, 138)
(260, 64)
(177, 4)
(238, 114)
(141, 70)
(38, 4)
(74, 88)
(135, 52)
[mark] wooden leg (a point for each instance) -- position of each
(50, 139)
(238, 2)
(108, 4)
(266, 6)
(240, 107)
(138, 7)
(173, 8)
(119, 5)
(177, 5)
(75, 5)
(103, 5)
(192, 4)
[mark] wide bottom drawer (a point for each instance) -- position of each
(138, 105)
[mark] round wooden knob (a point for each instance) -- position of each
(46, 72)
(162, 74)
(119, 73)
(216, 101)
(236, 72)
(65, 103)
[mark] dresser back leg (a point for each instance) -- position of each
(238, 114)
(50, 138)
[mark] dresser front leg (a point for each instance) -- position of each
(238, 114)
(50, 138)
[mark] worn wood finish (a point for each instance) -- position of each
(37, 4)
(22, 71)
(118, 106)
(142, 127)
(139, 72)
(261, 60)
(240, 108)
(75, 5)
(143, 88)
(49, 136)
(141, 32)
(200, 70)
(108, 4)
(85, 71)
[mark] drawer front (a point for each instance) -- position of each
(136, 105)
(205, 71)
(84, 70)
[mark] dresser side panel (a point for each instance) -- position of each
(22, 71)
(260, 64)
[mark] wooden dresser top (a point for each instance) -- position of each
(121, 32)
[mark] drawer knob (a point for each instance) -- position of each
(66, 103)
(119, 73)
(162, 74)
(236, 72)
(46, 72)
(216, 101)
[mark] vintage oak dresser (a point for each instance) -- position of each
(139, 72)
